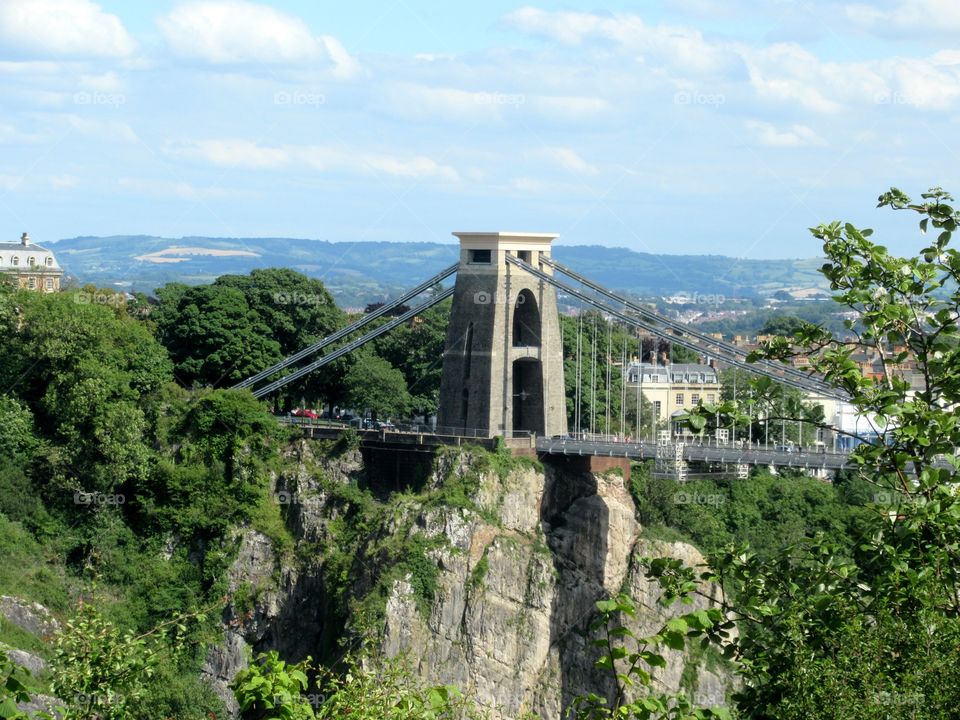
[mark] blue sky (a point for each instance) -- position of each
(695, 126)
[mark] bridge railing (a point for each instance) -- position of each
(409, 428)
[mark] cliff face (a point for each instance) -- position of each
(515, 574)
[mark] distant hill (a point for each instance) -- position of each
(358, 273)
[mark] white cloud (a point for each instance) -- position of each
(683, 47)
(781, 72)
(246, 154)
(570, 107)
(236, 153)
(420, 102)
(9, 135)
(37, 67)
(61, 28)
(794, 136)
(345, 66)
(106, 82)
(227, 32)
(527, 184)
(419, 167)
(922, 17)
(169, 188)
(568, 159)
(102, 129)
(11, 183)
(64, 181)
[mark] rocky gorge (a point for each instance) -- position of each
(482, 571)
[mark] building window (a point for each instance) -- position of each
(49, 283)
(656, 407)
(31, 261)
(16, 259)
(49, 262)
(711, 398)
(695, 398)
(524, 255)
(32, 283)
(679, 398)
(480, 256)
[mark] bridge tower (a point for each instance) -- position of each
(503, 359)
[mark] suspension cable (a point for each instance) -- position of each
(593, 377)
(353, 327)
(606, 429)
(710, 345)
(353, 345)
(757, 369)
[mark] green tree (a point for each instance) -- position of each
(102, 672)
(213, 335)
(416, 349)
(630, 659)
(783, 325)
(298, 310)
(270, 689)
(216, 477)
(88, 374)
(16, 427)
(374, 384)
(385, 688)
(877, 635)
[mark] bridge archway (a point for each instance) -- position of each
(526, 320)
(528, 403)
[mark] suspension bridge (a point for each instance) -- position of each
(503, 363)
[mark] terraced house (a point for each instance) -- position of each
(673, 389)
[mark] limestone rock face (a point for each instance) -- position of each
(30, 616)
(34, 663)
(516, 588)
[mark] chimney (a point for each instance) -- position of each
(25, 239)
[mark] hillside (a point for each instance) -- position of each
(358, 273)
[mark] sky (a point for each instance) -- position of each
(675, 126)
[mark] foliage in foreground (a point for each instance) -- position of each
(875, 636)
(381, 689)
(631, 660)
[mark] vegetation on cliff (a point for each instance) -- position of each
(120, 489)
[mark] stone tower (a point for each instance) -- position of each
(503, 362)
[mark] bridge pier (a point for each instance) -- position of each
(589, 463)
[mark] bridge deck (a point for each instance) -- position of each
(692, 452)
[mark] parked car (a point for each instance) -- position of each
(305, 413)
(385, 425)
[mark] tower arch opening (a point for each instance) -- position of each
(526, 320)
(528, 415)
